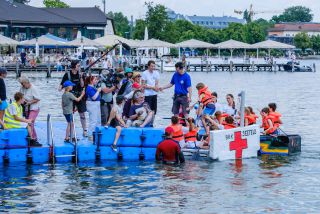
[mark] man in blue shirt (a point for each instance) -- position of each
(182, 90)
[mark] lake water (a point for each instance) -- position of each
(278, 185)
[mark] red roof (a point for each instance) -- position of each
(315, 27)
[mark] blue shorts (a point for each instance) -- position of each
(68, 117)
(209, 109)
(3, 105)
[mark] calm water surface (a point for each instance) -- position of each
(278, 185)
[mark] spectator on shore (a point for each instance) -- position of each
(182, 91)
(14, 117)
(126, 86)
(3, 95)
(150, 82)
(23, 57)
(77, 78)
(32, 103)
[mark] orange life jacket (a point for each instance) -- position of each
(266, 126)
(229, 126)
(207, 98)
(251, 119)
(276, 118)
(191, 136)
(177, 132)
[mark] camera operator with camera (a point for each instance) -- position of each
(108, 86)
(77, 77)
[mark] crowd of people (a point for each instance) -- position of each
(127, 98)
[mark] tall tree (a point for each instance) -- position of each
(138, 32)
(302, 40)
(121, 23)
(253, 33)
(55, 4)
(294, 14)
(156, 19)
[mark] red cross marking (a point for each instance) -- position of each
(238, 144)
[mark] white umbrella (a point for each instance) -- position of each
(231, 45)
(110, 40)
(5, 41)
(270, 44)
(193, 43)
(155, 43)
(42, 41)
(83, 41)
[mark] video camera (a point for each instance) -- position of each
(110, 78)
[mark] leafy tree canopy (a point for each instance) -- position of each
(55, 4)
(294, 14)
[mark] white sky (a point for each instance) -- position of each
(198, 7)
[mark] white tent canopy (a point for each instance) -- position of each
(83, 41)
(154, 43)
(110, 40)
(270, 44)
(5, 41)
(43, 40)
(233, 44)
(193, 43)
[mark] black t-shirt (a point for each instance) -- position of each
(3, 93)
(74, 78)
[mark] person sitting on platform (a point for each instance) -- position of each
(168, 151)
(67, 106)
(115, 119)
(13, 118)
(140, 113)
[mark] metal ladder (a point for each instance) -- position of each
(51, 143)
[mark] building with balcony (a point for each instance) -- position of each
(21, 22)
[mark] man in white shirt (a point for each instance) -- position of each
(150, 81)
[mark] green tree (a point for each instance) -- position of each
(156, 20)
(302, 40)
(234, 31)
(253, 33)
(138, 32)
(55, 4)
(315, 42)
(294, 14)
(121, 23)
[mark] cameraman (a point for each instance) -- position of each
(107, 89)
(77, 78)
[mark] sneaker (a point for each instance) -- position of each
(90, 138)
(35, 143)
(114, 148)
(67, 140)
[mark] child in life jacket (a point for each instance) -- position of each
(267, 123)
(177, 134)
(206, 100)
(191, 136)
(253, 114)
(276, 115)
(249, 119)
(229, 123)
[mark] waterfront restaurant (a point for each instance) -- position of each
(22, 22)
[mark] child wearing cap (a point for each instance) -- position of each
(67, 106)
(3, 95)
